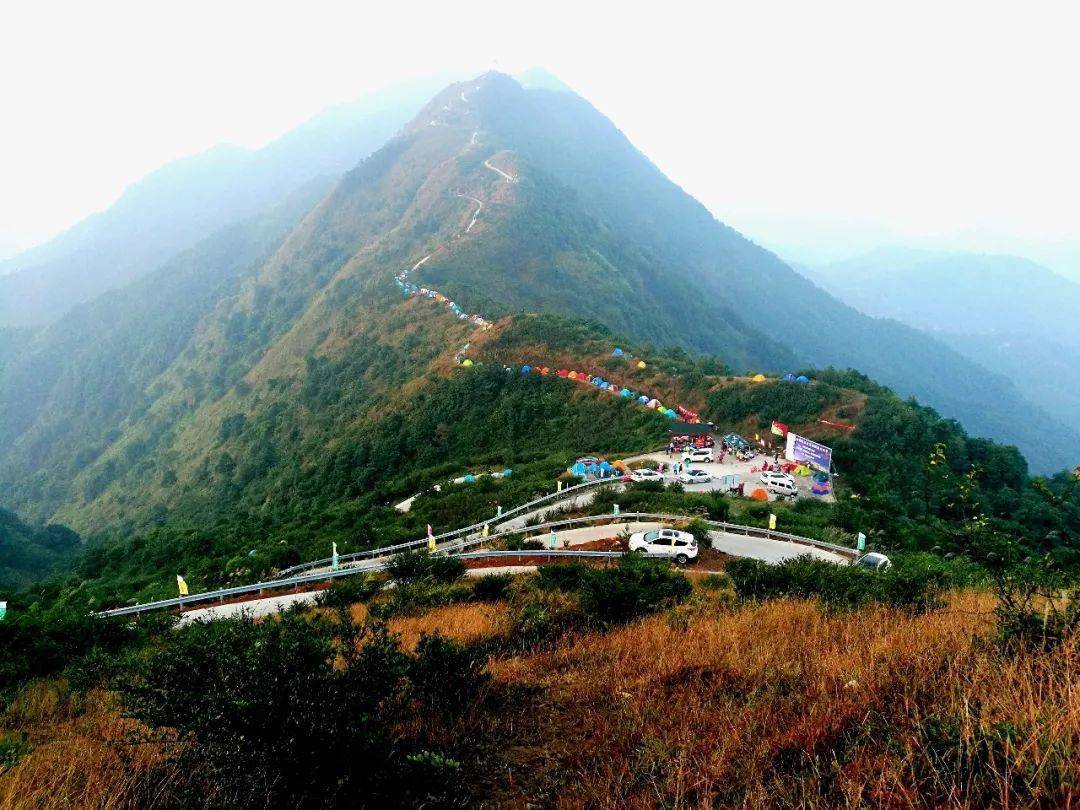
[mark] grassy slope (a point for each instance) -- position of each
(751, 705)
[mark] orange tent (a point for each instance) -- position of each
(759, 494)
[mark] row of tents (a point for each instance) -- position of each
(600, 383)
(410, 290)
(801, 379)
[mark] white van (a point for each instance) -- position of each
(782, 487)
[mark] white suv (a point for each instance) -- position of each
(699, 454)
(693, 476)
(780, 484)
(666, 543)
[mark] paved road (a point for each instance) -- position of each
(509, 177)
(771, 551)
(256, 607)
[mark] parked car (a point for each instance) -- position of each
(774, 475)
(667, 543)
(694, 477)
(698, 454)
(874, 561)
(645, 474)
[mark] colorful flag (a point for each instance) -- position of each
(181, 585)
(779, 429)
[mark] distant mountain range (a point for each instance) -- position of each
(236, 371)
(186, 201)
(1012, 316)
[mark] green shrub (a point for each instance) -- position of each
(635, 587)
(536, 615)
(415, 566)
(299, 712)
(347, 591)
(445, 676)
(410, 598)
(516, 542)
(562, 576)
(492, 587)
(715, 582)
(915, 582)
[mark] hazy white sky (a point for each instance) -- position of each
(821, 128)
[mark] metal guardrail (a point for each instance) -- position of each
(377, 565)
(505, 517)
(457, 549)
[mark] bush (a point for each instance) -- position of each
(415, 566)
(516, 542)
(562, 576)
(446, 675)
(299, 712)
(535, 615)
(413, 597)
(350, 590)
(633, 588)
(915, 581)
(492, 587)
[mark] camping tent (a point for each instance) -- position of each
(526, 369)
(758, 378)
(644, 400)
(789, 377)
(617, 353)
(466, 362)
(625, 392)
(562, 372)
(802, 379)
(652, 403)
(641, 364)
(572, 375)
(670, 414)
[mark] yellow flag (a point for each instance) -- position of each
(181, 585)
(772, 522)
(485, 530)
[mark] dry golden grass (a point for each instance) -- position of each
(782, 704)
(778, 704)
(462, 623)
(81, 756)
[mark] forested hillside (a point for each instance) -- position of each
(272, 388)
(29, 554)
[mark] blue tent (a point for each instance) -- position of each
(617, 353)
(625, 392)
(670, 414)
(802, 379)
(470, 479)
(644, 400)
(578, 470)
(789, 377)
(526, 369)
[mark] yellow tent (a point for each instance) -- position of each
(641, 364)
(466, 362)
(758, 378)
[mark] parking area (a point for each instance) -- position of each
(724, 474)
